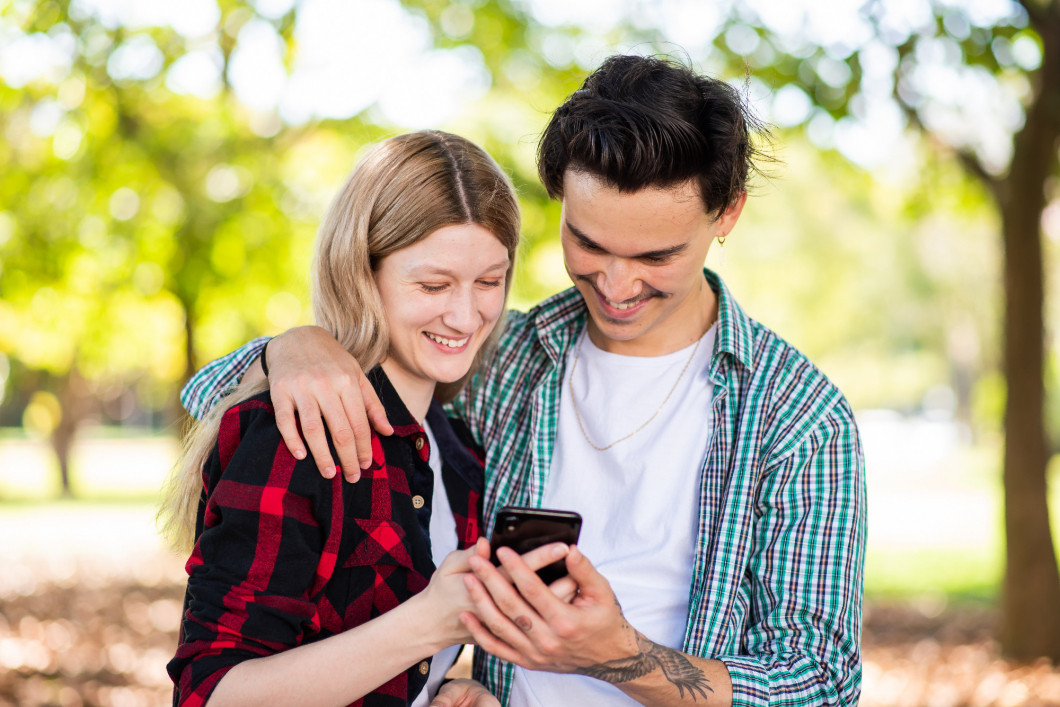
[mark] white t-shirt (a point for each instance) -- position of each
(443, 541)
(639, 500)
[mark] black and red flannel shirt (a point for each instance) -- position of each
(285, 557)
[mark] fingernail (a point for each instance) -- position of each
(560, 550)
(299, 454)
(353, 478)
(366, 463)
(329, 472)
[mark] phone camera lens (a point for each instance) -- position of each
(511, 528)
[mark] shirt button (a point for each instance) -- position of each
(419, 443)
(425, 668)
(417, 501)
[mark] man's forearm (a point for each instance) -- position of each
(658, 675)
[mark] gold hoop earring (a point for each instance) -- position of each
(721, 240)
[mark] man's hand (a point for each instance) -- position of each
(524, 623)
(464, 693)
(315, 380)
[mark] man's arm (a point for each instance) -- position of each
(314, 381)
(523, 622)
(801, 644)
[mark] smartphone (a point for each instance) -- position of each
(523, 529)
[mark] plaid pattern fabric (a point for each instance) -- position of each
(284, 557)
(777, 593)
(777, 588)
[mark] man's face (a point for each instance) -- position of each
(637, 259)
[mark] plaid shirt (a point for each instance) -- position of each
(777, 588)
(284, 557)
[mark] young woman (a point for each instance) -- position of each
(314, 591)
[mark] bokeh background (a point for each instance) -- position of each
(164, 166)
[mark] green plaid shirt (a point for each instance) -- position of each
(777, 585)
(777, 588)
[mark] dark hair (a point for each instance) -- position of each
(643, 122)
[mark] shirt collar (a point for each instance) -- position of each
(397, 414)
(734, 326)
(560, 318)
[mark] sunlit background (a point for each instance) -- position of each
(164, 166)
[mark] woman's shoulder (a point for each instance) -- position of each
(250, 448)
(253, 416)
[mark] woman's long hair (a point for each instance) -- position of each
(404, 189)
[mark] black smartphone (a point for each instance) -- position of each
(523, 529)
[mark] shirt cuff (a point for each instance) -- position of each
(750, 681)
(217, 378)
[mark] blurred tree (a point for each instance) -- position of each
(132, 206)
(984, 87)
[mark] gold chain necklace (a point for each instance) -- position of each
(574, 398)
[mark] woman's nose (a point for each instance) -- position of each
(462, 312)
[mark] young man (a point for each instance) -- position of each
(718, 473)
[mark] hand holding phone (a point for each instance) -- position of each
(523, 529)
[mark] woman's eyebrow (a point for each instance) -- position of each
(432, 269)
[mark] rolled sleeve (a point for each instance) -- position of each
(217, 378)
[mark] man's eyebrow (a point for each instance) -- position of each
(586, 242)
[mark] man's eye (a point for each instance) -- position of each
(656, 259)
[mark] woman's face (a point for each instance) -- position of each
(442, 297)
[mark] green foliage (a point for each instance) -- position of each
(144, 231)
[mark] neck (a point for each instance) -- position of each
(416, 393)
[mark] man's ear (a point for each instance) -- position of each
(729, 217)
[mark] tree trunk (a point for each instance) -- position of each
(175, 410)
(73, 398)
(1031, 596)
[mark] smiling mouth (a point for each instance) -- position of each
(451, 343)
(624, 305)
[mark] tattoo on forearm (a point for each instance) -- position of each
(676, 668)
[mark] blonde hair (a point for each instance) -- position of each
(402, 191)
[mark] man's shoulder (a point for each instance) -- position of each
(798, 396)
(524, 330)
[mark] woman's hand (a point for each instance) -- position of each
(464, 693)
(314, 380)
(446, 596)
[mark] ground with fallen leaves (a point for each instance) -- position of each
(82, 636)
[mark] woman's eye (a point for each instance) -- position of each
(491, 283)
(431, 288)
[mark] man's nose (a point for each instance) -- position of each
(618, 281)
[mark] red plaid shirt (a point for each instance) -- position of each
(285, 557)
